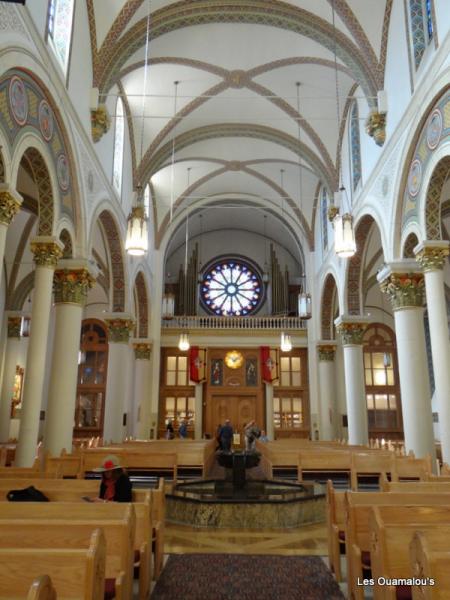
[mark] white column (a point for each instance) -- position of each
(12, 354)
(432, 255)
(10, 202)
(270, 429)
(71, 284)
(352, 331)
(47, 251)
(198, 423)
(155, 328)
(327, 390)
(142, 353)
(403, 282)
(119, 327)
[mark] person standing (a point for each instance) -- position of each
(182, 430)
(251, 432)
(169, 431)
(226, 435)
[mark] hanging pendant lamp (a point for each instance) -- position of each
(136, 243)
(285, 342)
(183, 343)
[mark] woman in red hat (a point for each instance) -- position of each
(116, 485)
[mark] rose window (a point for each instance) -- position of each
(231, 288)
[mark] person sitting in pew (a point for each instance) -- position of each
(115, 485)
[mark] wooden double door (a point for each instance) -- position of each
(240, 409)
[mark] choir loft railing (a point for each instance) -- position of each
(251, 323)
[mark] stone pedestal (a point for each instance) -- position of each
(47, 251)
(72, 281)
(404, 285)
(352, 330)
(327, 389)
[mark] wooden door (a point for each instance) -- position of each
(240, 409)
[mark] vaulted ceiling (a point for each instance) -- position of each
(233, 130)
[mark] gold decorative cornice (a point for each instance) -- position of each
(142, 351)
(376, 127)
(14, 327)
(72, 286)
(404, 290)
(432, 258)
(9, 207)
(326, 352)
(351, 333)
(332, 212)
(46, 252)
(100, 122)
(119, 329)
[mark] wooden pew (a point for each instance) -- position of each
(149, 505)
(87, 515)
(335, 527)
(424, 487)
(358, 508)
(411, 468)
(40, 534)
(66, 465)
(391, 530)
(376, 463)
(42, 589)
(76, 574)
(430, 560)
(131, 459)
(323, 462)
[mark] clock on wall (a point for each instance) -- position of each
(234, 359)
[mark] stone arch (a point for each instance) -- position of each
(355, 304)
(34, 164)
(22, 292)
(409, 245)
(66, 239)
(430, 139)
(142, 305)
(113, 239)
(329, 296)
(440, 175)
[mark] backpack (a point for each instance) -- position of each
(29, 494)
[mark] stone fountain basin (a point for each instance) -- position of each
(260, 504)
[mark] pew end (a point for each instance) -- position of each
(42, 589)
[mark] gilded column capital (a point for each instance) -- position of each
(47, 251)
(142, 350)
(351, 329)
(119, 329)
(100, 122)
(404, 290)
(326, 352)
(72, 286)
(14, 327)
(376, 127)
(431, 255)
(10, 202)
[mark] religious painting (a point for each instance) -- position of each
(217, 371)
(16, 401)
(251, 373)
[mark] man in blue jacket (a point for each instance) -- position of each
(226, 435)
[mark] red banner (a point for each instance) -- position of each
(197, 364)
(269, 364)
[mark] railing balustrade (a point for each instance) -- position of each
(253, 323)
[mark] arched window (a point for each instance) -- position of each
(421, 24)
(382, 386)
(59, 29)
(324, 218)
(118, 146)
(91, 388)
(231, 288)
(355, 146)
(147, 200)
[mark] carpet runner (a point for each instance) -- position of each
(245, 577)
